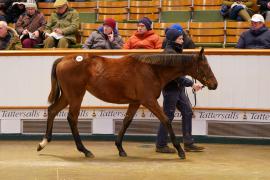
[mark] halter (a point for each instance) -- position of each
(198, 72)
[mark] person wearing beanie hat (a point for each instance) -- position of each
(188, 43)
(30, 25)
(144, 37)
(146, 22)
(257, 37)
(63, 26)
(110, 22)
(173, 34)
(174, 96)
(105, 37)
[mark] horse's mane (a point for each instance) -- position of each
(164, 59)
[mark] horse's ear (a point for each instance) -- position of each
(201, 53)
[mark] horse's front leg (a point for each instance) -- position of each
(53, 110)
(154, 107)
(73, 122)
(132, 109)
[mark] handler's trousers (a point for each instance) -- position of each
(176, 99)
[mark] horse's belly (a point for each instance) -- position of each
(112, 96)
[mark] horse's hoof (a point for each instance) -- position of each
(39, 148)
(123, 154)
(89, 155)
(182, 155)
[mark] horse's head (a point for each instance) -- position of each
(203, 72)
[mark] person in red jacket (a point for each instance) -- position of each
(144, 37)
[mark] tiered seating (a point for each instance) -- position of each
(113, 9)
(193, 15)
(209, 34)
(87, 10)
(206, 10)
(175, 11)
(139, 9)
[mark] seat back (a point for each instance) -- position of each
(140, 9)
(113, 9)
(208, 34)
(233, 31)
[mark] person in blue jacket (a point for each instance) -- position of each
(174, 97)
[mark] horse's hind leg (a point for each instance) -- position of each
(53, 110)
(73, 114)
(132, 109)
(158, 112)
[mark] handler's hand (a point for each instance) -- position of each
(197, 87)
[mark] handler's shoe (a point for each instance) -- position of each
(193, 148)
(165, 149)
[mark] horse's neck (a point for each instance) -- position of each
(169, 73)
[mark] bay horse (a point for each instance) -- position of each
(132, 79)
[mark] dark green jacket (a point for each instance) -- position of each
(67, 22)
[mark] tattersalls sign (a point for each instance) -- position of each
(141, 114)
(11, 120)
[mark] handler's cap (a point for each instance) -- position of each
(257, 18)
(59, 3)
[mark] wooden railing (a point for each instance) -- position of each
(62, 52)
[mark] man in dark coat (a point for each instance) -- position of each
(257, 37)
(174, 97)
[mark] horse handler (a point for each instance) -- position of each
(174, 97)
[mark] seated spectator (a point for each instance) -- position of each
(14, 10)
(9, 39)
(239, 9)
(144, 37)
(257, 37)
(106, 37)
(62, 27)
(30, 25)
(265, 8)
(187, 44)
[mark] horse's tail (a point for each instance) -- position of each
(55, 87)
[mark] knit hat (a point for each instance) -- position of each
(59, 3)
(147, 22)
(30, 4)
(110, 22)
(173, 34)
(177, 26)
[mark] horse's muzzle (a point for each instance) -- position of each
(213, 86)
